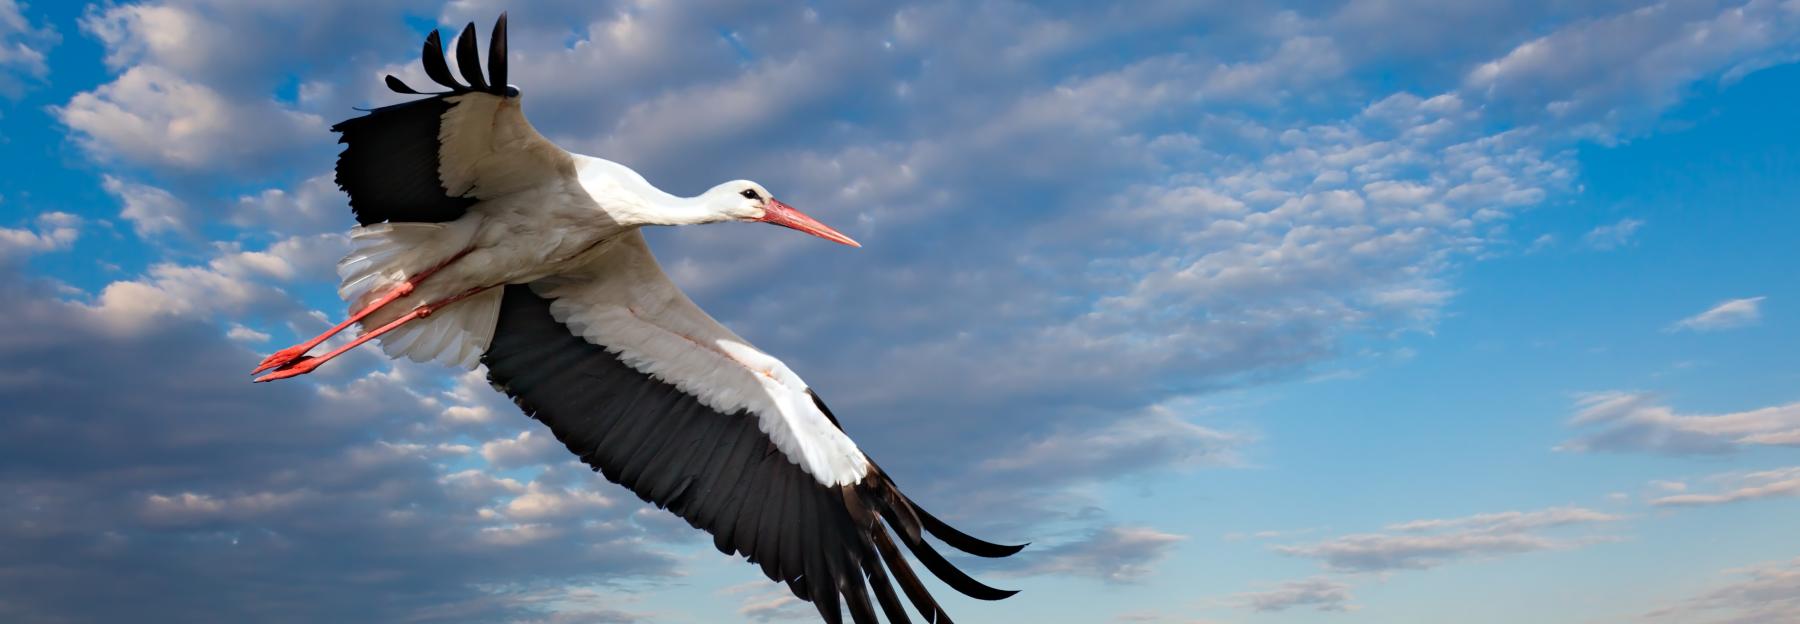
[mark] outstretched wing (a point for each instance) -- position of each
(430, 159)
(646, 388)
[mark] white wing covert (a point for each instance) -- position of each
(626, 304)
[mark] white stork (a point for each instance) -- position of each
(482, 241)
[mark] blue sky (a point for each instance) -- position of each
(1366, 311)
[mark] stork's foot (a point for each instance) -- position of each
(296, 368)
(282, 358)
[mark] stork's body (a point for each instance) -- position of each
(481, 241)
(555, 227)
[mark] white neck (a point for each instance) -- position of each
(633, 201)
(672, 210)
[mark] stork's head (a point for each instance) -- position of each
(743, 200)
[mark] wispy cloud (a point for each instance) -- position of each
(24, 50)
(1613, 236)
(1766, 593)
(1319, 593)
(1159, 439)
(1542, 242)
(1508, 521)
(1670, 486)
(1652, 51)
(1423, 544)
(1115, 554)
(760, 602)
(1738, 487)
(1640, 422)
(150, 210)
(1728, 314)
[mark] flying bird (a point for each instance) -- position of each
(480, 241)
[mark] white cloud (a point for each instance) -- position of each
(542, 502)
(1423, 544)
(1637, 422)
(761, 603)
(241, 333)
(1320, 593)
(1727, 314)
(174, 290)
(1297, 63)
(166, 35)
(1160, 438)
(1542, 242)
(479, 486)
(50, 231)
(232, 281)
(152, 117)
(527, 448)
(1765, 593)
(227, 44)
(1374, 552)
(150, 210)
(24, 49)
(1739, 487)
(1612, 236)
(686, 120)
(1597, 74)
(1509, 521)
(1669, 486)
(195, 509)
(1243, 268)
(1115, 554)
(472, 401)
(315, 205)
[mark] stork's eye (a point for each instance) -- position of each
(750, 194)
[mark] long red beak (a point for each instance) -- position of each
(786, 216)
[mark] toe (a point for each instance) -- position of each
(295, 369)
(280, 358)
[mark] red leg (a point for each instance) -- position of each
(306, 365)
(291, 354)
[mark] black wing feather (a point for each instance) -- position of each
(395, 85)
(389, 166)
(720, 472)
(678, 468)
(766, 539)
(868, 524)
(497, 54)
(432, 56)
(750, 510)
(468, 59)
(909, 580)
(960, 540)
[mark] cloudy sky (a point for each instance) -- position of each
(1365, 311)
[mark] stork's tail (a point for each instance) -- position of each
(383, 256)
